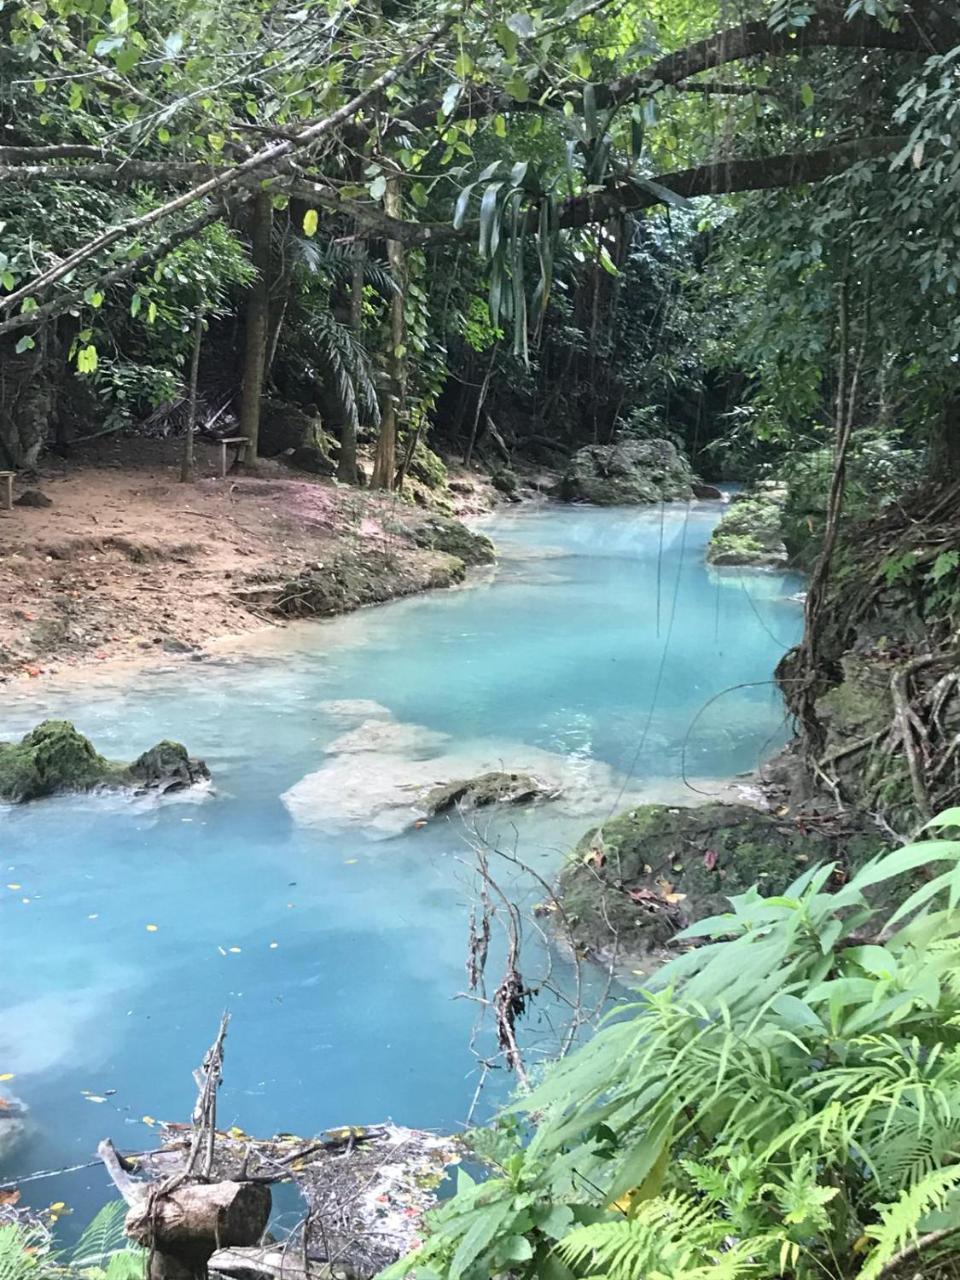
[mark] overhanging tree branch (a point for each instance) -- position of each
(253, 164)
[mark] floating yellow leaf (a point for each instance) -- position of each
(7, 1075)
(148, 1120)
(274, 945)
(234, 950)
(152, 928)
(348, 862)
(14, 886)
(94, 1097)
(58, 1207)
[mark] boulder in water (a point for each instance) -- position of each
(749, 534)
(633, 472)
(54, 759)
(496, 787)
(706, 492)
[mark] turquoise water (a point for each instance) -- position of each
(338, 947)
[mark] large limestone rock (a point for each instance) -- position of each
(749, 534)
(631, 884)
(54, 758)
(633, 472)
(376, 779)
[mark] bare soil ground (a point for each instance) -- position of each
(128, 561)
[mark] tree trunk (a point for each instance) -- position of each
(258, 325)
(481, 401)
(347, 472)
(385, 461)
(186, 464)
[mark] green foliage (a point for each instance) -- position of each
(784, 1098)
(103, 1251)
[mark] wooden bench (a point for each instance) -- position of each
(223, 451)
(6, 480)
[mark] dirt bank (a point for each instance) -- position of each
(128, 562)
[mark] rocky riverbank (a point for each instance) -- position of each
(124, 563)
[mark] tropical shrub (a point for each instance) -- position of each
(783, 1100)
(102, 1252)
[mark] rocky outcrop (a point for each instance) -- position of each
(749, 534)
(631, 473)
(54, 759)
(439, 533)
(349, 580)
(497, 787)
(631, 884)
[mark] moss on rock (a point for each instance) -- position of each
(749, 534)
(54, 759)
(441, 533)
(486, 789)
(632, 473)
(655, 869)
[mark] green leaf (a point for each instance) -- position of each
(463, 65)
(418, 194)
(311, 220)
(450, 96)
(87, 359)
(518, 89)
(377, 187)
(807, 94)
(135, 304)
(26, 343)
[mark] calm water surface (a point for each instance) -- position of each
(599, 638)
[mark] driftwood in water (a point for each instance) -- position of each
(201, 1202)
(184, 1217)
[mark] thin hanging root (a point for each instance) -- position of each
(912, 731)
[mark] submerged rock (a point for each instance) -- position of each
(706, 492)
(632, 883)
(385, 792)
(13, 1124)
(386, 734)
(54, 759)
(750, 534)
(634, 472)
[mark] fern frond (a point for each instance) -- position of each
(900, 1221)
(24, 1253)
(103, 1236)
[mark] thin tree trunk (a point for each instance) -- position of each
(385, 461)
(186, 465)
(481, 399)
(806, 694)
(258, 324)
(347, 470)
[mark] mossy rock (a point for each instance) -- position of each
(505, 481)
(54, 759)
(428, 467)
(633, 473)
(350, 580)
(749, 534)
(485, 790)
(441, 533)
(653, 870)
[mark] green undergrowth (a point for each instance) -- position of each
(782, 1100)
